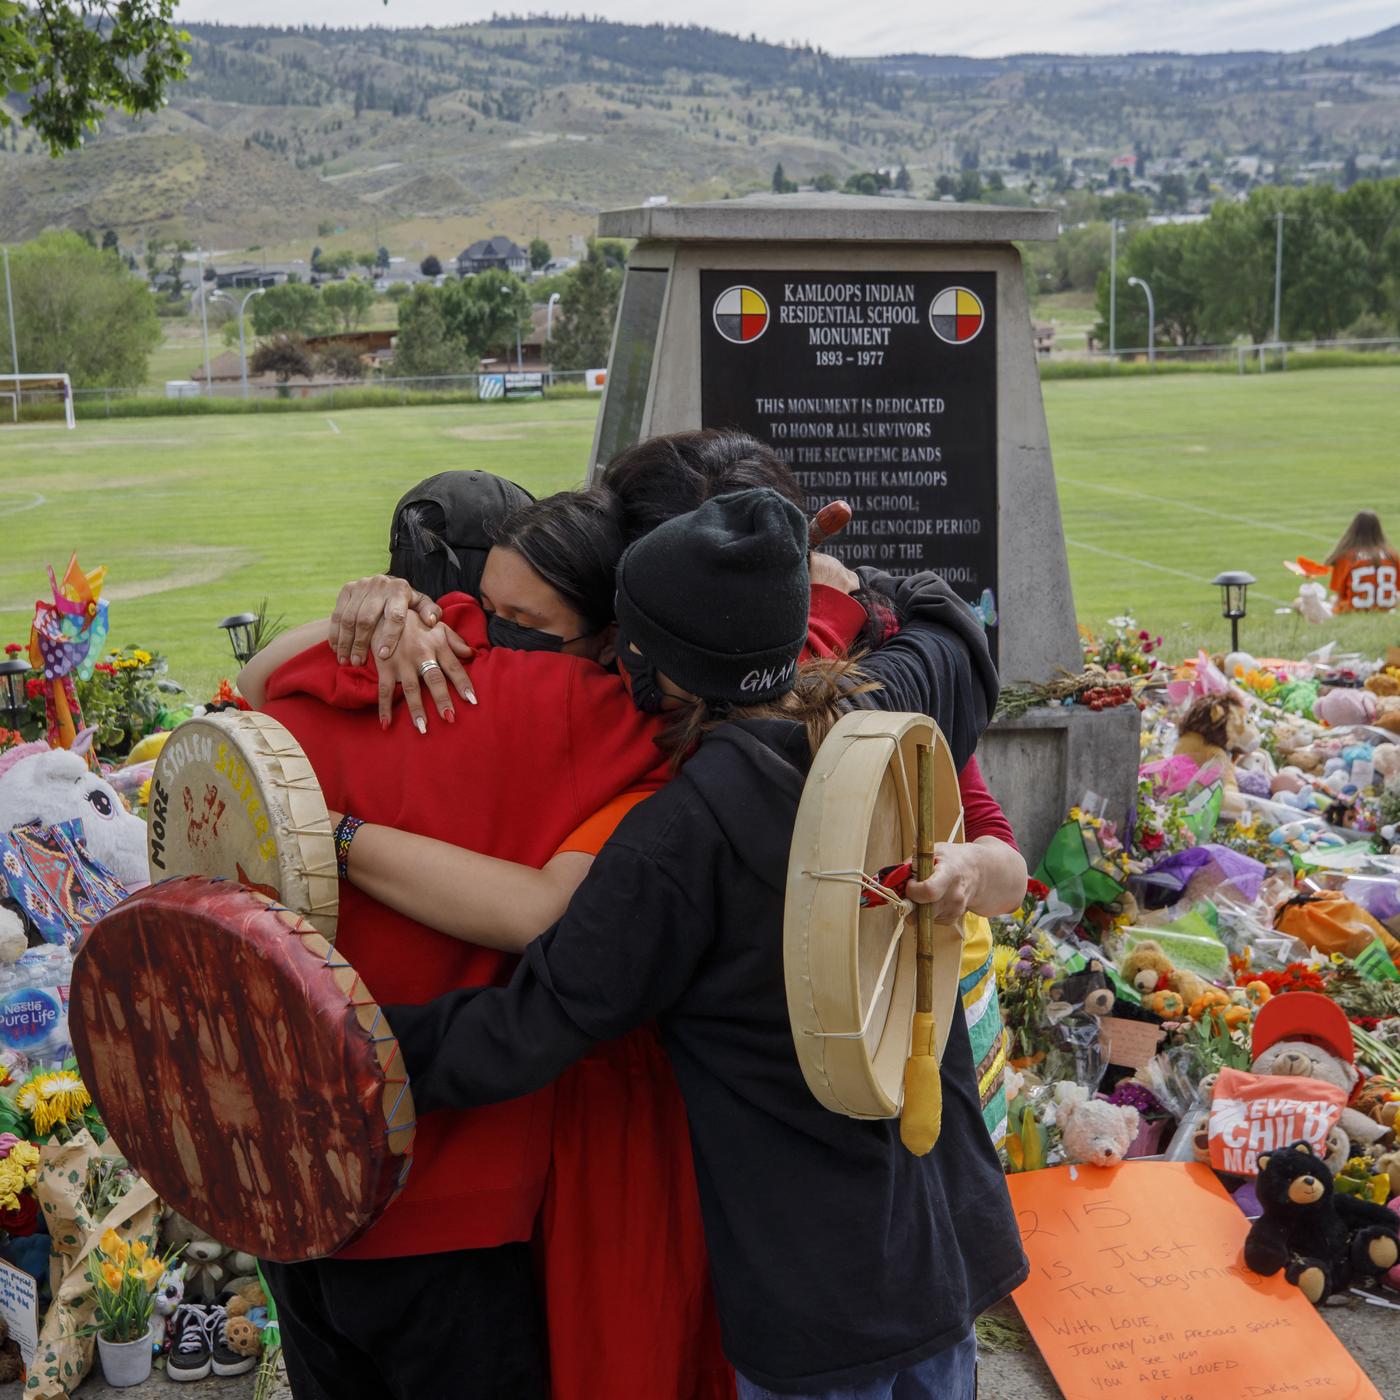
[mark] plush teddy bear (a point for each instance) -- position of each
(243, 1335)
(1150, 970)
(1344, 706)
(1323, 1241)
(1382, 683)
(204, 1262)
(1379, 1099)
(1386, 760)
(1388, 713)
(56, 786)
(1306, 1035)
(1092, 1130)
(12, 938)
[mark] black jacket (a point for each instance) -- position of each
(836, 1255)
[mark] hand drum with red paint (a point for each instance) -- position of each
(242, 1067)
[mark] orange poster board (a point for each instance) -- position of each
(1138, 1290)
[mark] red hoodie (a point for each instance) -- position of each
(552, 740)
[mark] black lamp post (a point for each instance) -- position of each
(1233, 586)
(240, 628)
(14, 703)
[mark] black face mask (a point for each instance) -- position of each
(502, 632)
(647, 694)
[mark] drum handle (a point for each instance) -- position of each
(905, 907)
(921, 1118)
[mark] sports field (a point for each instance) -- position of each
(1163, 483)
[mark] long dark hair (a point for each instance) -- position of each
(573, 541)
(820, 695)
(1365, 536)
(667, 476)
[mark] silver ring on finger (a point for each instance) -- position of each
(427, 666)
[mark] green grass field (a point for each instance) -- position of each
(1163, 483)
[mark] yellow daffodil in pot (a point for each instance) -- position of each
(124, 1278)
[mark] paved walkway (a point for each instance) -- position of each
(1370, 1333)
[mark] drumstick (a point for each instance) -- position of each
(830, 520)
(922, 1115)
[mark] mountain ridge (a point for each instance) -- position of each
(421, 137)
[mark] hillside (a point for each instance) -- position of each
(426, 138)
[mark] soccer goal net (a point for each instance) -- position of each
(19, 389)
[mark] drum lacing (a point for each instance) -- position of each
(887, 896)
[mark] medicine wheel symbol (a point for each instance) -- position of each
(957, 315)
(741, 315)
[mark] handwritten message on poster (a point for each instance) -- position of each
(19, 1306)
(1138, 1290)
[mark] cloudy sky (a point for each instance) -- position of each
(923, 26)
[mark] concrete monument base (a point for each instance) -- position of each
(1046, 761)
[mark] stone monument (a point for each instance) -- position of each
(884, 348)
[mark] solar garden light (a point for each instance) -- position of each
(1233, 586)
(14, 703)
(241, 627)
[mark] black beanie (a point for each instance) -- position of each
(717, 599)
(463, 509)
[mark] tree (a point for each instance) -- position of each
(397, 291)
(1172, 191)
(425, 345)
(332, 263)
(903, 180)
(588, 307)
(80, 312)
(1167, 258)
(483, 313)
(109, 240)
(72, 60)
(431, 266)
(347, 303)
(969, 186)
(945, 186)
(340, 361)
(381, 259)
(825, 182)
(293, 309)
(285, 356)
(369, 260)
(780, 181)
(540, 253)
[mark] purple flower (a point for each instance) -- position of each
(1131, 1094)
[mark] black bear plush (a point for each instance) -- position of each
(1324, 1242)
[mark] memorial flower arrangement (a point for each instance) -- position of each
(19, 1171)
(1126, 648)
(50, 1104)
(124, 699)
(124, 1278)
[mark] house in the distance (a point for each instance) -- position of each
(499, 253)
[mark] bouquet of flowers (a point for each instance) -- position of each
(124, 1278)
(1128, 648)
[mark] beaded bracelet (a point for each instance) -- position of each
(344, 835)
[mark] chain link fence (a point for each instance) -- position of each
(187, 397)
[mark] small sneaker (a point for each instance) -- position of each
(225, 1360)
(190, 1354)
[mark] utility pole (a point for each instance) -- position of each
(204, 320)
(1278, 276)
(14, 347)
(1112, 285)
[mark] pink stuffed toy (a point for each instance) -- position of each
(1343, 706)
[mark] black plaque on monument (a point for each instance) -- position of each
(879, 388)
